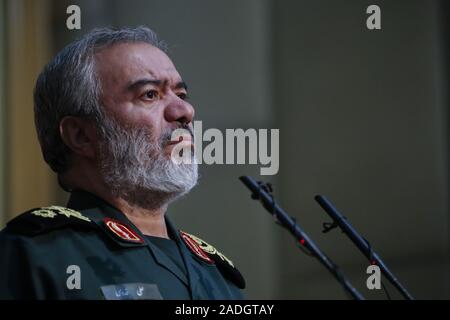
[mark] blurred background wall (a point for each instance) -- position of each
(363, 119)
(2, 110)
(27, 47)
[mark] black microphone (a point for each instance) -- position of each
(362, 244)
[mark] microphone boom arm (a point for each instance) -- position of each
(361, 243)
(258, 192)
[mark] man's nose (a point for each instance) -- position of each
(180, 111)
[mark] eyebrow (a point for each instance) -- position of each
(159, 83)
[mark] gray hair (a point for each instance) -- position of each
(68, 86)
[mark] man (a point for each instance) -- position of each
(105, 110)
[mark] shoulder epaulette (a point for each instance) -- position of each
(41, 220)
(225, 265)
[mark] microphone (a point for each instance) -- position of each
(362, 244)
(263, 192)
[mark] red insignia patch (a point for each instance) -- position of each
(122, 231)
(195, 248)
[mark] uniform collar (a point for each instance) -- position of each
(108, 218)
(98, 210)
(81, 200)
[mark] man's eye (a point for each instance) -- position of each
(182, 96)
(151, 94)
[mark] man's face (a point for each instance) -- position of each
(144, 100)
(141, 88)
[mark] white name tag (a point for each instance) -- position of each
(131, 291)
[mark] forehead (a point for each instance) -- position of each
(121, 63)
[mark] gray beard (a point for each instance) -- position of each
(136, 170)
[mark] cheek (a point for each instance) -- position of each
(150, 118)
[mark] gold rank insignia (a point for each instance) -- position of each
(41, 220)
(209, 249)
(53, 211)
(195, 248)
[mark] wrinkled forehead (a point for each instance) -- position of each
(120, 64)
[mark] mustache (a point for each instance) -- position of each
(111, 130)
(167, 134)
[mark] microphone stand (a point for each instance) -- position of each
(362, 244)
(261, 192)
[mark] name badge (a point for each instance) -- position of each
(131, 291)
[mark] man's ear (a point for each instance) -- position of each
(79, 135)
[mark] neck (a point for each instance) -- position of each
(150, 222)
(148, 219)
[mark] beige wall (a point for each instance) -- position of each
(29, 182)
(2, 112)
